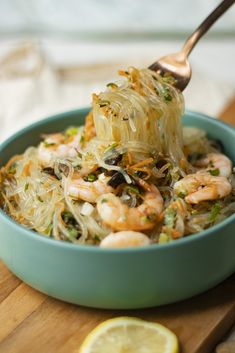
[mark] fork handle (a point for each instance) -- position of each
(205, 25)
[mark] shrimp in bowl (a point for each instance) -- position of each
(62, 245)
(131, 176)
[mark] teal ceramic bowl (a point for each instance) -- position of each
(118, 278)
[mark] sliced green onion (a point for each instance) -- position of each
(169, 218)
(49, 229)
(166, 93)
(67, 216)
(169, 79)
(48, 144)
(12, 169)
(103, 103)
(111, 147)
(133, 189)
(82, 139)
(214, 172)
(181, 195)
(96, 238)
(73, 232)
(39, 198)
(215, 211)
(72, 131)
(163, 238)
(112, 85)
(91, 177)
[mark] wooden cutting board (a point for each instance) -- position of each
(31, 322)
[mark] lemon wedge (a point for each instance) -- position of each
(130, 335)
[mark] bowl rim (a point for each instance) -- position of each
(93, 248)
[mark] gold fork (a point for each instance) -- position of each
(177, 64)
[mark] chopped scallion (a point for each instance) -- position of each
(112, 85)
(181, 195)
(163, 238)
(215, 211)
(169, 218)
(48, 144)
(167, 95)
(214, 172)
(72, 131)
(91, 177)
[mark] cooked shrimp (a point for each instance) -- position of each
(174, 216)
(55, 146)
(214, 161)
(119, 216)
(89, 191)
(124, 239)
(202, 186)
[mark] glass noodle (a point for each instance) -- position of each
(132, 143)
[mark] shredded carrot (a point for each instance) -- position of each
(89, 128)
(148, 124)
(183, 163)
(142, 163)
(95, 97)
(129, 156)
(123, 73)
(145, 170)
(26, 170)
(176, 234)
(69, 139)
(138, 87)
(56, 138)
(186, 151)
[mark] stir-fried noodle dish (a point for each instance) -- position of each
(131, 176)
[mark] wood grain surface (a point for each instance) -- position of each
(31, 322)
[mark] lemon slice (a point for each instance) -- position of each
(130, 335)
